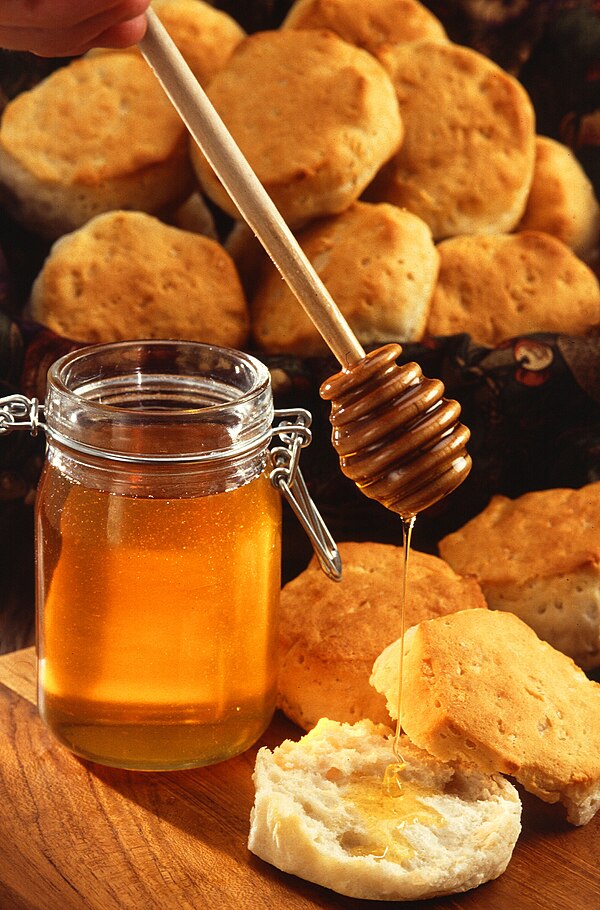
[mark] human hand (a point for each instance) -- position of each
(67, 28)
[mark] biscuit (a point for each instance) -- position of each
(315, 117)
(96, 135)
(480, 686)
(539, 556)
(250, 257)
(321, 812)
(379, 264)
(330, 634)
(561, 199)
(205, 36)
(193, 215)
(126, 275)
(466, 163)
(368, 23)
(504, 285)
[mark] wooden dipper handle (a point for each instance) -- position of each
(246, 190)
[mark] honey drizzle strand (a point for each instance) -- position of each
(407, 529)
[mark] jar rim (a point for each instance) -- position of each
(57, 369)
(159, 401)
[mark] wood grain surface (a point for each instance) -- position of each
(78, 836)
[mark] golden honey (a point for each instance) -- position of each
(158, 636)
(158, 540)
(385, 809)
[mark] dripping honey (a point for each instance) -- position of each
(385, 810)
(407, 529)
(387, 805)
(392, 803)
(157, 637)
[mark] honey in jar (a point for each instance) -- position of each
(158, 549)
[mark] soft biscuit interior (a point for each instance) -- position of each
(321, 812)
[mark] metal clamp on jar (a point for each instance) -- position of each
(158, 549)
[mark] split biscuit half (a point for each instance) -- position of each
(321, 812)
(480, 686)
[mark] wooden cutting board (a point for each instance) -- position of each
(78, 836)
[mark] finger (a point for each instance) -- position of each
(54, 15)
(51, 14)
(122, 25)
(104, 30)
(123, 35)
(38, 41)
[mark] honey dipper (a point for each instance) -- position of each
(395, 434)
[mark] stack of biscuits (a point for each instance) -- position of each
(484, 676)
(408, 166)
(477, 696)
(480, 655)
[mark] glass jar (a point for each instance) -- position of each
(158, 540)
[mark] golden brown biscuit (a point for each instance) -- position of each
(193, 215)
(315, 117)
(126, 275)
(249, 255)
(503, 285)
(205, 36)
(466, 163)
(380, 265)
(330, 634)
(96, 135)
(561, 200)
(368, 23)
(480, 686)
(539, 556)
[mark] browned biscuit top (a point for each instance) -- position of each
(380, 265)
(356, 618)
(466, 162)
(480, 685)
(91, 121)
(127, 275)
(538, 535)
(561, 201)
(368, 23)
(330, 634)
(498, 286)
(315, 117)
